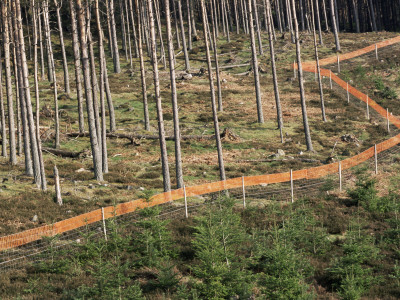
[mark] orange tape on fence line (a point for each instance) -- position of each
(31, 235)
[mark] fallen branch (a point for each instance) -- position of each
(62, 153)
(135, 138)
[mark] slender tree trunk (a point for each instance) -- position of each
(94, 81)
(235, 7)
(17, 97)
(355, 15)
(110, 39)
(142, 72)
(102, 102)
(128, 30)
(185, 50)
(372, 13)
(47, 36)
(274, 75)
(214, 108)
(135, 38)
(325, 15)
(42, 69)
(31, 123)
(214, 41)
(117, 66)
(260, 47)
(21, 91)
(178, 38)
(301, 82)
(321, 42)
(97, 166)
(334, 27)
(163, 145)
(53, 74)
(177, 133)
(192, 18)
(255, 65)
(189, 21)
(301, 14)
(321, 90)
(64, 55)
(35, 61)
(162, 49)
(123, 27)
(2, 115)
(78, 69)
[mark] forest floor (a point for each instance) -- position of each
(134, 168)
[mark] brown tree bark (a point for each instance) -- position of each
(255, 65)
(163, 145)
(117, 66)
(212, 91)
(67, 88)
(301, 82)
(78, 69)
(174, 98)
(97, 166)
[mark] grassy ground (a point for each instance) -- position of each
(133, 168)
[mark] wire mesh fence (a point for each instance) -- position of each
(33, 247)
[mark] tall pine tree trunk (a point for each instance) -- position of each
(255, 65)
(102, 87)
(212, 91)
(163, 145)
(117, 66)
(274, 75)
(64, 55)
(35, 61)
(142, 71)
(301, 81)
(177, 133)
(28, 103)
(78, 69)
(334, 26)
(321, 90)
(96, 154)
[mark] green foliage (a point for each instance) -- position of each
(284, 270)
(303, 230)
(350, 274)
(366, 195)
(102, 260)
(219, 238)
(360, 71)
(152, 240)
(384, 91)
(396, 273)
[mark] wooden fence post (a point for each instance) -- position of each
(330, 78)
(340, 176)
(104, 223)
(57, 186)
(244, 193)
(376, 159)
(387, 118)
(367, 107)
(291, 185)
(376, 52)
(186, 208)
